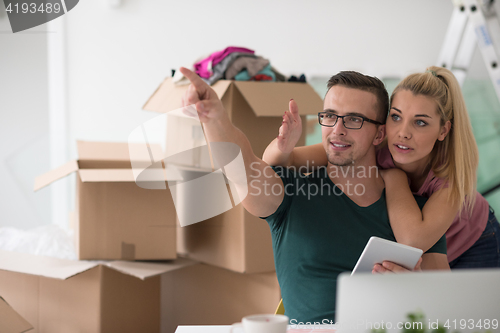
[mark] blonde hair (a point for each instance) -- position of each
(454, 159)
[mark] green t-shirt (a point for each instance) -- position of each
(318, 232)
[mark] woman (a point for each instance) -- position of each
(430, 151)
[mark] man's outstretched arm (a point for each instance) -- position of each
(218, 128)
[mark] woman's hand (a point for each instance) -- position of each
(390, 267)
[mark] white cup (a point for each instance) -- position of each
(265, 323)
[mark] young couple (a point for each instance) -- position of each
(430, 151)
(315, 238)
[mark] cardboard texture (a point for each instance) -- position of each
(74, 296)
(11, 321)
(114, 218)
(235, 240)
(57, 295)
(207, 295)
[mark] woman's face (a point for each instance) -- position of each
(412, 129)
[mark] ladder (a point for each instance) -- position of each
(472, 22)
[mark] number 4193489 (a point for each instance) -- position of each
(32, 8)
(471, 324)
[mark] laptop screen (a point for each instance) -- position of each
(458, 301)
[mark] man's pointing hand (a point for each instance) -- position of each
(199, 93)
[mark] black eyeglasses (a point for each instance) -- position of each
(329, 119)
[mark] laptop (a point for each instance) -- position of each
(458, 301)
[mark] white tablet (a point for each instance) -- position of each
(378, 250)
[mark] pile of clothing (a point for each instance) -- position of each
(234, 63)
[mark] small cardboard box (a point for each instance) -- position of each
(11, 321)
(58, 295)
(115, 218)
(235, 240)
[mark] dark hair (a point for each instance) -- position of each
(355, 80)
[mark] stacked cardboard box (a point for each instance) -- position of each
(56, 295)
(117, 220)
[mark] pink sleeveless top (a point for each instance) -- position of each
(466, 228)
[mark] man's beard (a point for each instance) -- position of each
(340, 161)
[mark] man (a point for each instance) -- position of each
(320, 223)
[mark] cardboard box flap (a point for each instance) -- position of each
(168, 96)
(42, 266)
(55, 174)
(143, 270)
(11, 321)
(127, 175)
(106, 175)
(271, 98)
(107, 151)
(64, 269)
(103, 154)
(112, 155)
(221, 86)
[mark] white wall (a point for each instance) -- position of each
(116, 58)
(24, 145)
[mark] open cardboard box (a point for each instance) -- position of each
(235, 240)
(57, 295)
(115, 218)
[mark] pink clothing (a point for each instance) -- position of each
(204, 67)
(465, 230)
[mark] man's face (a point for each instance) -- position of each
(351, 146)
